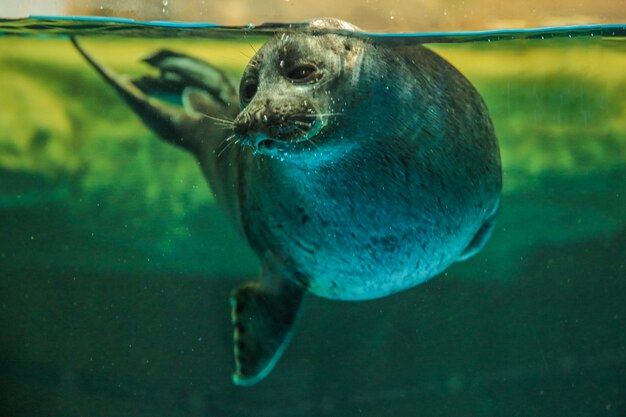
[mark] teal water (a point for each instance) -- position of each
(115, 265)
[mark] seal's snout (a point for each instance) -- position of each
(254, 127)
(253, 121)
(242, 124)
(282, 121)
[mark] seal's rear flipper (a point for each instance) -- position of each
(171, 124)
(263, 318)
(183, 71)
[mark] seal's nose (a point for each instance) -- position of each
(242, 124)
(248, 121)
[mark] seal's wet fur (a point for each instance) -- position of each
(365, 169)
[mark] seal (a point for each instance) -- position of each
(361, 168)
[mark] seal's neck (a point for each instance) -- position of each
(321, 157)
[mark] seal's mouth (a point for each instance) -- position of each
(277, 146)
(281, 136)
(266, 145)
(279, 127)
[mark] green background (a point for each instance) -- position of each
(116, 265)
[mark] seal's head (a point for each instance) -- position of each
(289, 91)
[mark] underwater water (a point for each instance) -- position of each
(116, 265)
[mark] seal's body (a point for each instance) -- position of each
(365, 169)
(391, 190)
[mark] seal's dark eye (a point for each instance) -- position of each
(248, 89)
(302, 73)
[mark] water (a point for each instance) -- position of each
(116, 265)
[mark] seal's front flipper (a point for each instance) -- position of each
(481, 237)
(263, 318)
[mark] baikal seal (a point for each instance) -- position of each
(354, 167)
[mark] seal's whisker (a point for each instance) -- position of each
(223, 127)
(304, 133)
(217, 119)
(223, 124)
(331, 114)
(310, 140)
(323, 83)
(228, 144)
(224, 150)
(301, 123)
(321, 114)
(226, 140)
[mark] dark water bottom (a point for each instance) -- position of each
(550, 344)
